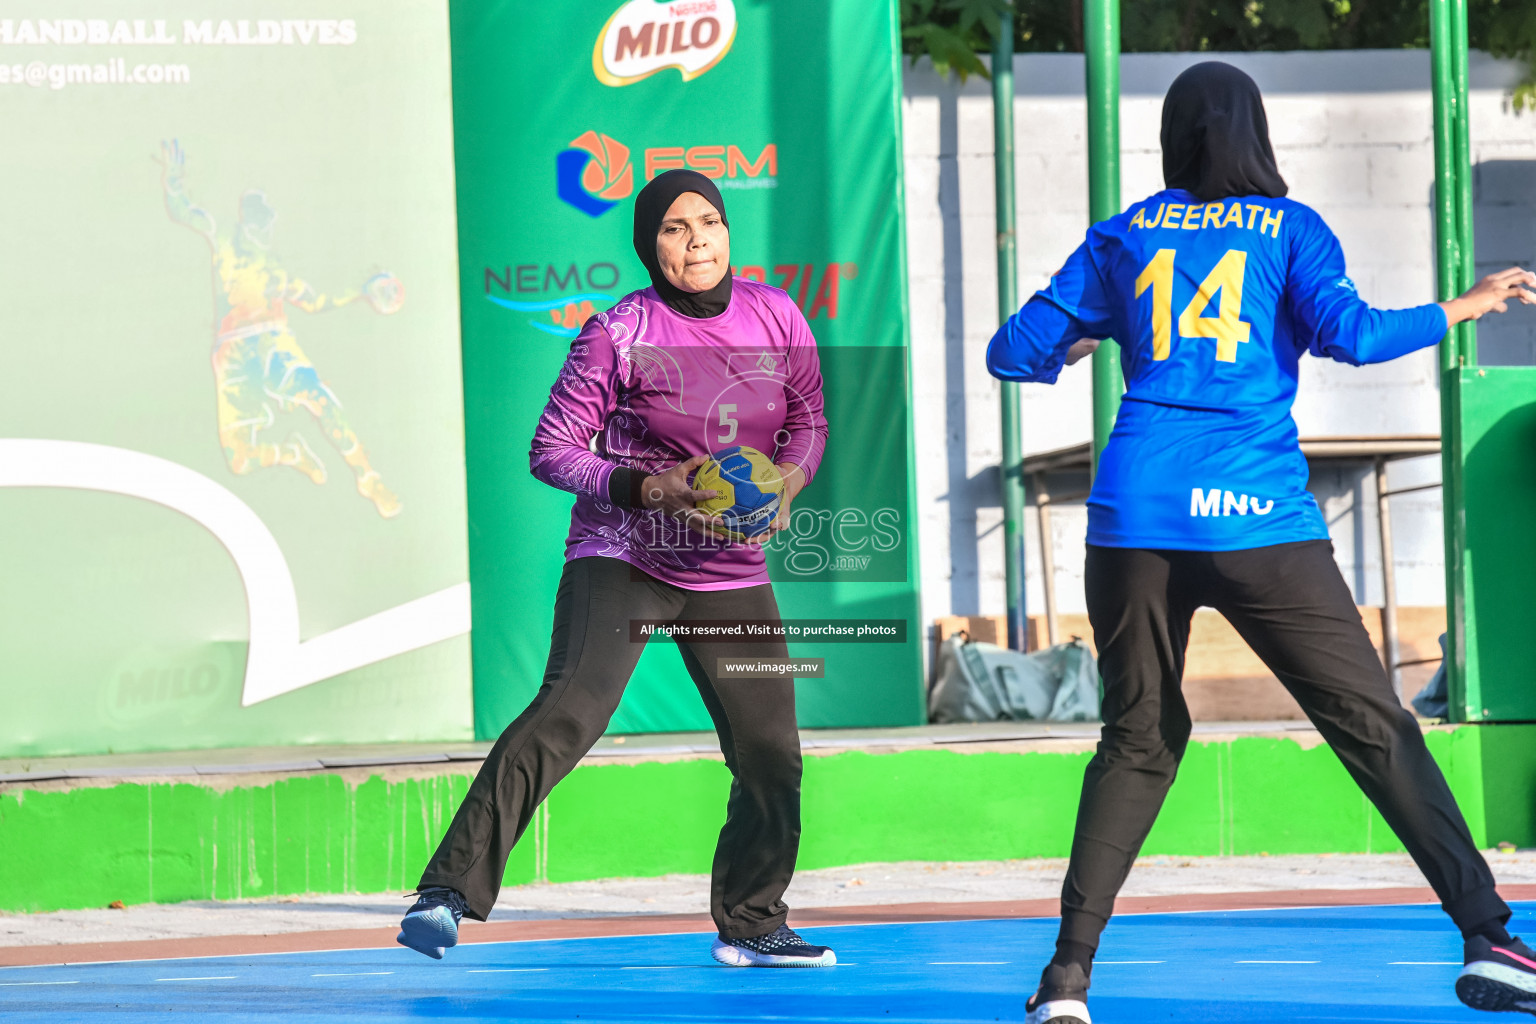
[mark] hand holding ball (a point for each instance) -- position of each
(749, 490)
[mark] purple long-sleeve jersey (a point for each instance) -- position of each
(647, 388)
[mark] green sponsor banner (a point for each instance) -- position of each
(562, 112)
(231, 475)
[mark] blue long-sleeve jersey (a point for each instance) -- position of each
(1213, 305)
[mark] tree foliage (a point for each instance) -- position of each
(952, 32)
(949, 32)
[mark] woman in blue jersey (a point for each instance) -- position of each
(1216, 287)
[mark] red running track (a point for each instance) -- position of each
(659, 924)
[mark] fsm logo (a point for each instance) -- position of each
(594, 173)
(647, 36)
(728, 166)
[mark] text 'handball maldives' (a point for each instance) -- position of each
(750, 490)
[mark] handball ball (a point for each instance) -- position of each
(385, 293)
(749, 490)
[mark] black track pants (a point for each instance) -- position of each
(1291, 605)
(590, 661)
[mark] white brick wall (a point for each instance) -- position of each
(1352, 134)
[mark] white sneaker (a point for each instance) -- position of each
(1067, 985)
(781, 948)
(1056, 1011)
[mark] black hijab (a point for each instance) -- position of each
(651, 205)
(1216, 137)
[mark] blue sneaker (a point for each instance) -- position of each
(780, 948)
(432, 925)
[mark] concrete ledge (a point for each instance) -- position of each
(947, 794)
(1018, 737)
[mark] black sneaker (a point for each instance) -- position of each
(432, 924)
(1499, 976)
(1062, 997)
(781, 948)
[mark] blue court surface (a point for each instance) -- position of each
(1377, 964)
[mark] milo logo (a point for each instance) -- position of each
(647, 36)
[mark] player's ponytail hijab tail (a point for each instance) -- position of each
(1215, 136)
(651, 205)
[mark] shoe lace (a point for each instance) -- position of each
(450, 898)
(780, 938)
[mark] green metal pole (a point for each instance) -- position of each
(1461, 137)
(1101, 49)
(1447, 219)
(1453, 266)
(1007, 305)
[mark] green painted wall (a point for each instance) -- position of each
(1493, 434)
(317, 833)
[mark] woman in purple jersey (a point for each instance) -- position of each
(697, 362)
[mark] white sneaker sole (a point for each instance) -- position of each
(1484, 985)
(430, 932)
(1059, 1011)
(736, 956)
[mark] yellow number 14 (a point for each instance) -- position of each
(1225, 277)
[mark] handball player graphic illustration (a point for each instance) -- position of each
(258, 366)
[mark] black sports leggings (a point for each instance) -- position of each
(590, 661)
(1291, 605)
